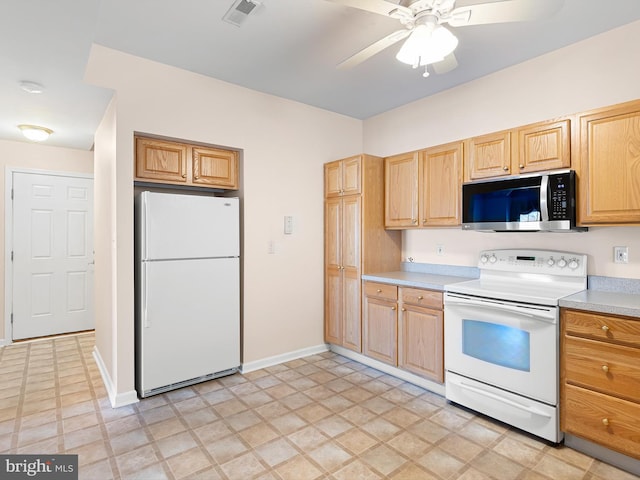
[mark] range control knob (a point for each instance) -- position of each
(551, 262)
(562, 263)
(484, 259)
(493, 259)
(573, 264)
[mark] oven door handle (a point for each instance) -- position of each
(550, 316)
(506, 401)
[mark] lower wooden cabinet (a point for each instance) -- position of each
(600, 379)
(404, 327)
(380, 315)
(421, 333)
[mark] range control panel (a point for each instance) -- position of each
(548, 262)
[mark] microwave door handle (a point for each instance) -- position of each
(544, 195)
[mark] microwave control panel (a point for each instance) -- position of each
(560, 187)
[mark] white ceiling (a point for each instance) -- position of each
(287, 48)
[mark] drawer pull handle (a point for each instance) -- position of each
(605, 368)
(605, 328)
(420, 297)
(379, 291)
(404, 309)
(605, 422)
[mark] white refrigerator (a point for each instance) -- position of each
(187, 290)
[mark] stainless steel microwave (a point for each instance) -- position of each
(544, 202)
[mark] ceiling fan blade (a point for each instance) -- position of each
(374, 48)
(449, 63)
(503, 11)
(381, 7)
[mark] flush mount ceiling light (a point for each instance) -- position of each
(31, 87)
(428, 43)
(35, 133)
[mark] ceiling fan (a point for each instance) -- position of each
(429, 42)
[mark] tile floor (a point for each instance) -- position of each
(322, 416)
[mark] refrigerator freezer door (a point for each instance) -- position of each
(189, 226)
(190, 323)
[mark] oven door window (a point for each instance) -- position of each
(497, 344)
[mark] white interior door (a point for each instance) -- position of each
(52, 247)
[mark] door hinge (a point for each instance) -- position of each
(11, 318)
(12, 255)
(12, 194)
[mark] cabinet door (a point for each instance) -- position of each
(544, 147)
(333, 270)
(350, 247)
(609, 152)
(333, 179)
(333, 306)
(161, 161)
(401, 191)
(489, 156)
(440, 185)
(421, 342)
(380, 330)
(352, 176)
(214, 167)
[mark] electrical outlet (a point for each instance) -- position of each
(621, 254)
(440, 250)
(288, 225)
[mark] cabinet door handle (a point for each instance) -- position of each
(414, 221)
(521, 166)
(420, 297)
(605, 368)
(605, 328)
(393, 308)
(605, 422)
(505, 168)
(404, 309)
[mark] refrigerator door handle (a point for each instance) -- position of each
(145, 300)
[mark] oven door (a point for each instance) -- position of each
(513, 346)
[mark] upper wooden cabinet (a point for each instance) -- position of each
(401, 190)
(609, 158)
(343, 177)
(175, 163)
(423, 188)
(440, 183)
(531, 148)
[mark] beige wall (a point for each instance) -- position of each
(23, 155)
(284, 146)
(596, 72)
(104, 235)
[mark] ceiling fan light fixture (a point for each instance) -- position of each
(35, 133)
(428, 43)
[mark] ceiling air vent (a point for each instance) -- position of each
(239, 11)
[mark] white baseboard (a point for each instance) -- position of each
(116, 399)
(285, 357)
(434, 387)
(4, 342)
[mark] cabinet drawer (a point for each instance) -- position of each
(609, 421)
(424, 298)
(602, 327)
(381, 290)
(613, 369)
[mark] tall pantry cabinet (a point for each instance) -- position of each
(356, 243)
